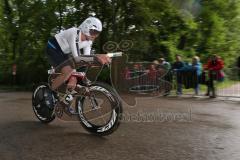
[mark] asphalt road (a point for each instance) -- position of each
(156, 128)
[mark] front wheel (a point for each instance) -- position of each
(100, 110)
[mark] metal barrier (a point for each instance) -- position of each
(229, 87)
(146, 78)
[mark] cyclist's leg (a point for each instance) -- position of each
(62, 64)
(63, 77)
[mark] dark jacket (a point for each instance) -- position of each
(178, 65)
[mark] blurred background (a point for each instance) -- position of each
(156, 28)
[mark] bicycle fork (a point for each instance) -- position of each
(93, 100)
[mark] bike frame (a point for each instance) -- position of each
(82, 76)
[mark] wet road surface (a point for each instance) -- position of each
(169, 128)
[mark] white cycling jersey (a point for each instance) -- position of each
(70, 42)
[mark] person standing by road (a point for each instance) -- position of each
(197, 67)
(238, 67)
(177, 65)
(214, 66)
(164, 69)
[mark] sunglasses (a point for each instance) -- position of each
(94, 32)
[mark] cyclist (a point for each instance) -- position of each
(69, 43)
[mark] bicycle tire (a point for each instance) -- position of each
(44, 112)
(116, 112)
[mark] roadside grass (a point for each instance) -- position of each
(218, 85)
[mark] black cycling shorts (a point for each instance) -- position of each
(55, 54)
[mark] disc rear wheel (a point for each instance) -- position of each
(43, 102)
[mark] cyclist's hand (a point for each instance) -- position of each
(103, 59)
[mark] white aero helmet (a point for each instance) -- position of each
(91, 25)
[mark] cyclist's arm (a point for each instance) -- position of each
(74, 46)
(100, 59)
(85, 58)
(87, 50)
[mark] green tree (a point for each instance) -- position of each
(157, 28)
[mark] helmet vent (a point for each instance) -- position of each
(88, 21)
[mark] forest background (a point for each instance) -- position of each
(157, 28)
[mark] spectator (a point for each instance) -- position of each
(177, 65)
(196, 66)
(137, 74)
(214, 66)
(238, 62)
(126, 73)
(124, 82)
(135, 70)
(164, 64)
(152, 74)
(156, 62)
(238, 67)
(165, 75)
